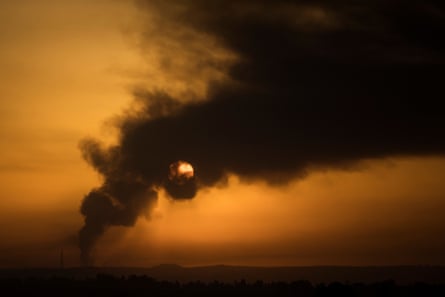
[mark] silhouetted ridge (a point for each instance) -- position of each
(133, 285)
(230, 274)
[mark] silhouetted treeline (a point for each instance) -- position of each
(109, 285)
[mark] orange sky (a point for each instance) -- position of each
(66, 67)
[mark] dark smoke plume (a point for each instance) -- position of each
(318, 84)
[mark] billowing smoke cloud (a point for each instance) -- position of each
(317, 84)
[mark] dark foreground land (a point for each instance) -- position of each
(107, 285)
(172, 280)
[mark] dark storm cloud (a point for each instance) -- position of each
(317, 84)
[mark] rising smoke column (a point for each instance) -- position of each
(125, 194)
(317, 84)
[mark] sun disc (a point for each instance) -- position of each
(181, 171)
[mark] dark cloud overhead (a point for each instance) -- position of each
(317, 84)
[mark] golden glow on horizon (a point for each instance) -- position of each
(381, 215)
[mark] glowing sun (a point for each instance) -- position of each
(180, 172)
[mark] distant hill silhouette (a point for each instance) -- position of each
(230, 274)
